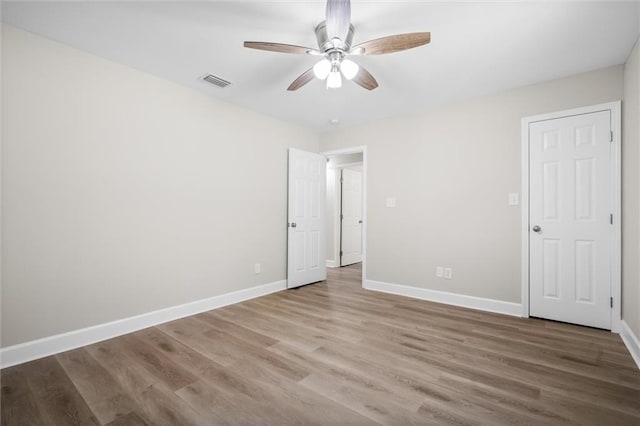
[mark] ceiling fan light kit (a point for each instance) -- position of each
(349, 69)
(322, 69)
(335, 37)
(334, 80)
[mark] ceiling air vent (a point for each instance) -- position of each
(216, 81)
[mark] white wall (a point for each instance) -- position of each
(451, 170)
(124, 193)
(631, 192)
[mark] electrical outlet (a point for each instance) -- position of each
(448, 273)
(439, 271)
(256, 268)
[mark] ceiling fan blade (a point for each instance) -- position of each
(278, 47)
(338, 18)
(394, 43)
(365, 79)
(304, 78)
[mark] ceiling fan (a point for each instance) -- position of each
(335, 36)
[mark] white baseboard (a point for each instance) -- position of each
(489, 305)
(28, 351)
(631, 341)
(331, 264)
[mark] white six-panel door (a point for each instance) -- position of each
(351, 217)
(306, 223)
(570, 206)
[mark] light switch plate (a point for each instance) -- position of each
(257, 268)
(514, 198)
(448, 273)
(391, 202)
(439, 271)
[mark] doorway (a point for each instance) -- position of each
(350, 229)
(571, 216)
(346, 209)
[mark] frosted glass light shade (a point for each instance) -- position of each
(349, 69)
(322, 69)
(334, 80)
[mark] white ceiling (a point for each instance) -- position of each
(476, 48)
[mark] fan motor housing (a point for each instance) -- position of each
(325, 44)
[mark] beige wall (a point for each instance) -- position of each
(124, 193)
(631, 192)
(451, 170)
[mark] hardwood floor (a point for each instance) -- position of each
(333, 353)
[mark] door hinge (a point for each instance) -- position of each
(611, 218)
(341, 254)
(611, 302)
(611, 138)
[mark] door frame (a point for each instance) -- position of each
(616, 194)
(356, 150)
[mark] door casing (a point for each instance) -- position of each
(616, 191)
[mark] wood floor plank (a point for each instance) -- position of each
(223, 409)
(548, 356)
(586, 413)
(334, 353)
(156, 402)
(236, 330)
(263, 326)
(58, 399)
(444, 402)
(130, 419)
(19, 406)
(104, 396)
(386, 389)
(171, 374)
(303, 405)
(363, 401)
(190, 331)
(516, 370)
(488, 395)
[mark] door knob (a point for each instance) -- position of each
(293, 224)
(536, 228)
(359, 221)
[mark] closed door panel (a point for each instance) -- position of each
(306, 233)
(351, 224)
(569, 217)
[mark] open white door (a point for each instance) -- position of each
(571, 219)
(351, 215)
(306, 224)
